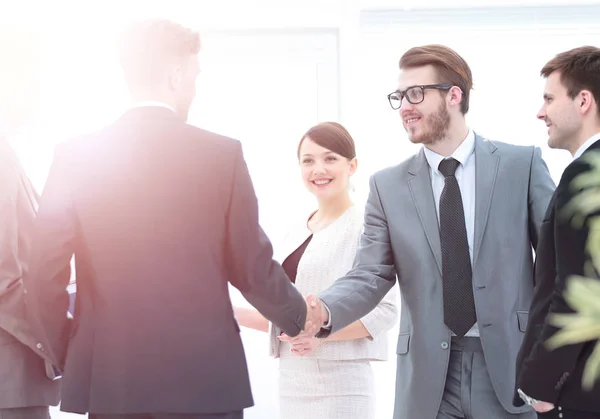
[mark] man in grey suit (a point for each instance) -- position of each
(456, 224)
(27, 387)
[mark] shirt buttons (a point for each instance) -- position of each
(444, 345)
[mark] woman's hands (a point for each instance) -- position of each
(303, 344)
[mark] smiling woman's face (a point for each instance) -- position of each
(325, 173)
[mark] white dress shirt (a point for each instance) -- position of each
(465, 176)
(586, 145)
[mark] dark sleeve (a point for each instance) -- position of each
(10, 267)
(16, 218)
(249, 255)
(544, 372)
(52, 248)
(541, 188)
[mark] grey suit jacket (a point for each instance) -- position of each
(401, 239)
(24, 372)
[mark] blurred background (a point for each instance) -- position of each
(272, 69)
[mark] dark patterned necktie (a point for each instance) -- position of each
(459, 304)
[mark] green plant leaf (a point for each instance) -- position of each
(592, 369)
(583, 295)
(568, 336)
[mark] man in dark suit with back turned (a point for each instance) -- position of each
(161, 216)
(27, 387)
(551, 380)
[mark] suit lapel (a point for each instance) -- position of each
(486, 170)
(422, 194)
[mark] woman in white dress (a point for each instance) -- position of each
(327, 378)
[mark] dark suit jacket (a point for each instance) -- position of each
(161, 217)
(555, 376)
(23, 373)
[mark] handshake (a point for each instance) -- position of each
(305, 342)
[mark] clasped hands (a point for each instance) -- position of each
(317, 316)
(305, 342)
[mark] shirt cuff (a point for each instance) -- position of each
(328, 324)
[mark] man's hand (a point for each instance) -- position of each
(316, 314)
(303, 344)
(542, 407)
(537, 405)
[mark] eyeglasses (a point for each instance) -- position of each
(414, 94)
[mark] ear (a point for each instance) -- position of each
(353, 166)
(175, 77)
(455, 95)
(585, 101)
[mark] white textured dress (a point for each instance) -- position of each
(335, 381)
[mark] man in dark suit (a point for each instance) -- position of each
(27, 385)
(550, 380)
(161, 216)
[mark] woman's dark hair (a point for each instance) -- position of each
(332, 136)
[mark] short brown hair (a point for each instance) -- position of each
(332, 136)
(450, 67)
(146, 46)
(579, 70)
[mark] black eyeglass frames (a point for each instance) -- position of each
(414, 94)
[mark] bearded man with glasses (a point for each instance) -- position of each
(456, 225)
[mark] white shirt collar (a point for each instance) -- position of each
(586, 145)
(151, 103)
(462, 153)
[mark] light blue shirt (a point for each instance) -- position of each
(465, 176)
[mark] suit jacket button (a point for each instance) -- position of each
(444, 345)
(40, 347)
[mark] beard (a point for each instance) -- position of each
(434, 127)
